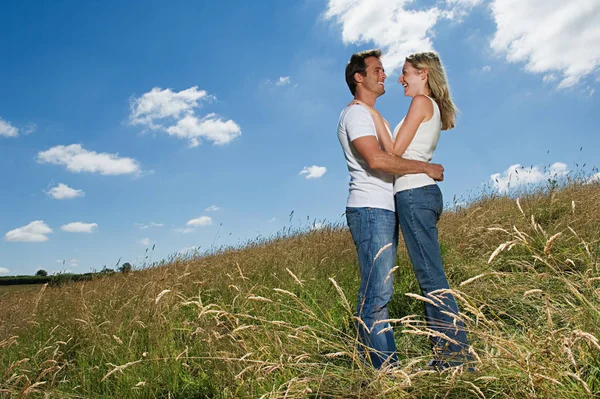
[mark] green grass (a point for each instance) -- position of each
(274, 319)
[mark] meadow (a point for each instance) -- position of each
(5, 289)
(274, 319)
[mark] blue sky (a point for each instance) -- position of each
(129, 124)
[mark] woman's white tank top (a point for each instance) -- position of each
(421, 148)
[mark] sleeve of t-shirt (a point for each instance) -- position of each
(359, 123)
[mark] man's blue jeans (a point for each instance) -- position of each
(418, 212)
(373, 229)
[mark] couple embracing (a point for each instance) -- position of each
(392, 183)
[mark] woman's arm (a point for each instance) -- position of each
(381, 127)
(420, 108)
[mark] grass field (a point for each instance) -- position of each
(18, 289)
(275, 319)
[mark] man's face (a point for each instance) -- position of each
(374, 81)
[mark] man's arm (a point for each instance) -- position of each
(376, 158)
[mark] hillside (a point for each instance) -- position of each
(274, 319)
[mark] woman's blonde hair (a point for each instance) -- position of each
(438, 84)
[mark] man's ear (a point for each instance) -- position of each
(358, 78)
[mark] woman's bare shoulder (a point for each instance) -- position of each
(421, 105)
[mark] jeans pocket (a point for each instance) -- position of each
(358, 222)
(435, 201)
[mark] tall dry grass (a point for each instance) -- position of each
(275, 319)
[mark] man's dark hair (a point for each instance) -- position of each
(357, 64)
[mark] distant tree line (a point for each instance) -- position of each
(42, 277)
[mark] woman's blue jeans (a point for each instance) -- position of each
(418, 211)
(372, 230)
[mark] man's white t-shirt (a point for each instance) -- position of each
(368, 187)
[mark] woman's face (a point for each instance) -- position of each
(412, 79)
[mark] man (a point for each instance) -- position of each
(370, 210)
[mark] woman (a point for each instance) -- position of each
(419, 200)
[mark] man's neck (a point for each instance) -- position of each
(367, 98)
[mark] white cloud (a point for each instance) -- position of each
(283, 80)
(486, 68)
(145, 242)
(160, 104)
(29, 128)
(318, 226)
(210, 127)
(458, 9)
(79, 227)
(147, 226)
(198, 222)
(62, 191)
(272, 220)
(186, 230)
(549, 36)
(4, 270)
(201, 221)
(35, 231)
(77, 159)
(595, 178)
(74, 262)
(464, 3)
(212, 208)
(516, 176)
(313, 172)
(8, 130)
(175, 113)
(388, 24)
